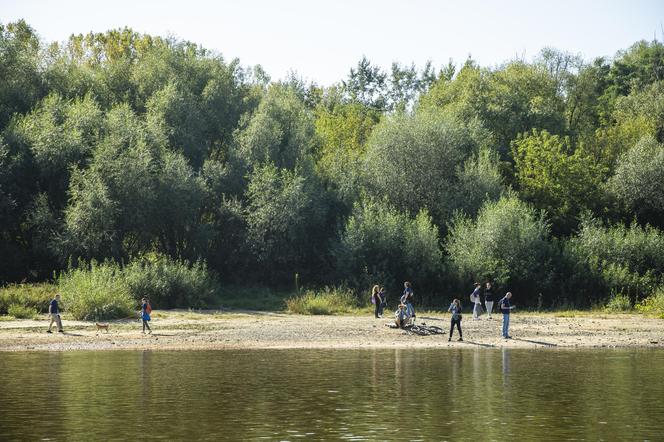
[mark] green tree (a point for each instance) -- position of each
(553, 176)
(508, 243)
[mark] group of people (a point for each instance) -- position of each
(54, 314)
(405, 313)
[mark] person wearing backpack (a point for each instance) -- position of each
(455, 309)
(146, 309)
(407, 299)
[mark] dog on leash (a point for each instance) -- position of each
(101, 327)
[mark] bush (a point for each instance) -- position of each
(380, 245)
(653, 304)
(618, 303)
(21, 312)
(329, 301)
(170, 283)
(97, 292)
(33, 296)
(625, 260)
(507, 244)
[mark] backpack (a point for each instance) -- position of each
(472, 297)
(148, 309)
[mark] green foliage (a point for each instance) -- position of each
(553, 176)
(508, 243)
(380, 245)
(414, 161)
(97, 292)
(625, 260)
(20, 312)
(35, 297)
(618, 304)
(638, 183)
(170, 283)
(653, 304)
(328, 301)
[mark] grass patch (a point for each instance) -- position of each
(253, 298)
(653, 304)
(33, 296)
(21, 312)
(329, 301)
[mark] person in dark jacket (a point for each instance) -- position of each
(455, 309)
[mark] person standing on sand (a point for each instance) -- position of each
(475, 297)
(146, 309)
(455, 309)
(506, 307)
(376, 300)
(54, 313)
(488, 299)
(407, 299)
(383, 301)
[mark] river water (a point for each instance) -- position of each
(405, 394)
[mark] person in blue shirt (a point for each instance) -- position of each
(455, 309)
(506, 307)
(54, 313)
(407, 299)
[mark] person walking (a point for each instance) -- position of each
(455, 309)
(475, 297)
(488, 298)
(407, 299)
(506, 307)
(376, 300)
(54, 314)
(146, 309)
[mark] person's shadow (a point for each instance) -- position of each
(479, 344)
(546, 344)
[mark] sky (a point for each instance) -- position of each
(321, 41)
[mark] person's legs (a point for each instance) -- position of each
(377, 309)
(50, 324)
(489, 307)
(451, 329)
(476, 311)
(459, 328)
(506, 324)
(58, 321)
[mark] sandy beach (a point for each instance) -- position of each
(183, 330)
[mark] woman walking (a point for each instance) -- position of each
(455, 309)
(488, 298)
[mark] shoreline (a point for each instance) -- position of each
(209, 330)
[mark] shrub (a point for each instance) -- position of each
(33, 296)
(653, 304)
(21, 312)
(622, 259)
(97, 292)
(507, 243)
(170, 283)
(329, 301)
(381, 245)
(618, 303)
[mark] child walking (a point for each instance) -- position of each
(146, 309)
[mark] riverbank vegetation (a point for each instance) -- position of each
(133, 165)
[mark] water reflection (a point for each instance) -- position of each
(342, 394)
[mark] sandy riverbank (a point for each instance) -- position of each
(175, 330)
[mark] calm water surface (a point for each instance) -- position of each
(333, 394)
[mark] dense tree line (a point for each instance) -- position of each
(546, 177)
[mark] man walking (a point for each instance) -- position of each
(505, 307)
(54, 313)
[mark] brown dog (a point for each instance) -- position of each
(101, 327)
